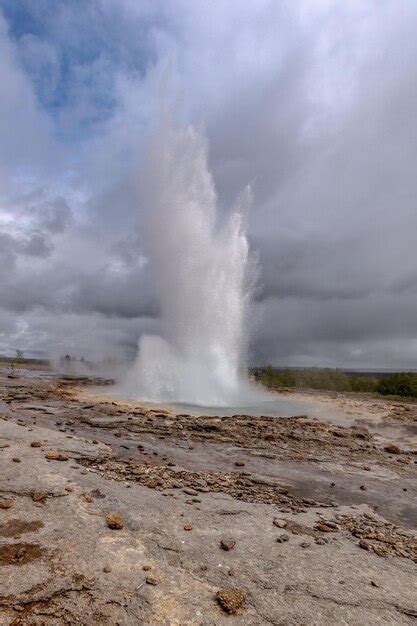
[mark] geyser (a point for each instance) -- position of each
(203, 275)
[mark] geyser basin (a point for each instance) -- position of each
(276, 407)
(203, 274)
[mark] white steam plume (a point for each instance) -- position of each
(203, 276)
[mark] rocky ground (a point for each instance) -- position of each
(116, 513)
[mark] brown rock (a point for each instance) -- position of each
(151, 580)
(53, 455)
(392, 449)
(6, 504)
(38, 496)
(115, 522)
(35, 444)
(240, 463)
(106, 569)
(16, 460)
(227, 544)
(281, 523)
(231, 599)
(282, 538)
(365, 545)
(326, 526)
(188, 526)
(146, 568)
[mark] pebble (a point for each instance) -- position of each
(392, 449)
(106, 569)
(227, 544)
(38, 496)
(231, 599)
(146, 568)
(188, 527)
(16, 460)
(281, 523)
(53, 455)
(6, 504)
(151, 580)
(190, 492)
(282, 538)
(35, 444)
(240, 463)
(115, 522)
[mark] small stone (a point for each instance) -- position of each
(227, 544)
(115, 522)
(365, 545)
(106, 569)
(240, 463)
(305, 544)
(374, 584)
(53, 455)
(188, 526)
(151, 580)
(363, 487)
(6, 504)
(231, 571)
(190, 492)
(95, 441)
(231, 599)
(282, 538)
(38, 496)
(35, 444)
(146, 568)
(281, 523)
(69, 489)
(326, 526)
(392, 449)
(16, 460)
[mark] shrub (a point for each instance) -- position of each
(401, 384)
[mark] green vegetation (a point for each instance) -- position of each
(400, 384)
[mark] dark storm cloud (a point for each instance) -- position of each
(313, 103)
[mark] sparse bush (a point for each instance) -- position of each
(314, 378)
(400, 384)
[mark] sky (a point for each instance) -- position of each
(311, 102)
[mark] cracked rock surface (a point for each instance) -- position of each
(173, 492)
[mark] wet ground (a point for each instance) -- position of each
(342, 492)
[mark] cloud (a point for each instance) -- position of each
(310, 102)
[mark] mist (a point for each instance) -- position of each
(203, 274)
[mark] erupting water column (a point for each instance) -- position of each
(203, 276)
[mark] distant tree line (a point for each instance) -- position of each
(402, 384)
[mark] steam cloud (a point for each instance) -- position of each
(203, 274)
